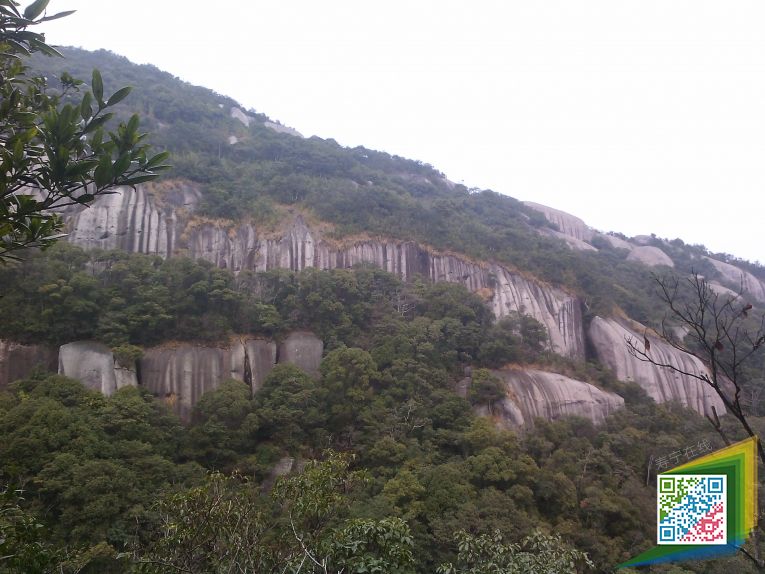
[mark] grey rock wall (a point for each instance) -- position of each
(608, 337)
(94, 365)
(132, 221)
(740, 279)
(565, 222)
(650, 255)
(180, 374)
(532, 393)
(18, 361)
(304, 350)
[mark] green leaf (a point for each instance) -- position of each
(86, 111)
(139, 179)
(122, 163)
(44, 48)
(118, 96)
(97, 123)
(57, 16)
(98, 87)
(35, 9)
(157, 160)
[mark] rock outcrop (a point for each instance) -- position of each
(18, 361)
(650, 255)
(304, 350)
(740, 280)
(608, 338)
(572, 242)
(94, 365)
(134, 222)
(131, 221)
(531, 394)
(565, 222)
(180, 374)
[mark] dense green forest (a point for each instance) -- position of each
(392, 470)
(99, 474)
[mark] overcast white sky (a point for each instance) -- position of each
(639, 117)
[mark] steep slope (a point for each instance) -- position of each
(248, 194)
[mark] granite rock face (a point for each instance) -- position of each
(531, 394)
(304, 350)
(182, 373)
(608, 338)
(650, 255)
(565, 222)
(132, 221)
(94, 365)
(740, 280)
(18, 361)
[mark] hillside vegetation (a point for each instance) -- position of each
(388, 467)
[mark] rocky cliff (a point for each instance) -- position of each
(609, 340)
(135, 222)
(534, 394)
(565, 222)
(740, 280)
(94, 365)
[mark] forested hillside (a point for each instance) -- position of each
(415, 445)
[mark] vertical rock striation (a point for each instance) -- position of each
(608, 337)
(94, 365)
(304, 350)
(133, 222)
(531, 394)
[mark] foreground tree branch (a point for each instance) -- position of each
(720, 331)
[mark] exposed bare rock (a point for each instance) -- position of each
(279, 128)
(572, 242)
(93, 364)
(617, 242)
(239, 114)
(238, 246)
(252, 360)
(304, 350)
(650, 255)
(608, 337)
(538, 394)
(740, 279)
(18, 361)
(180, 374)
(231, 247)
(721, 289)
(130, 220)
(643, 239)
(565, 222)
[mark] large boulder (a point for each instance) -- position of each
(531, 393)
(94, 365)
(650, 255)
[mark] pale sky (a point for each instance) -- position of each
(640, 117)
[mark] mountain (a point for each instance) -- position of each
(249, 194)
(263, 249)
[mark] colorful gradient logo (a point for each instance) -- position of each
(705, 508)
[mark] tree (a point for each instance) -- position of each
(54, 147)
(722, 332)
(538, 553)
